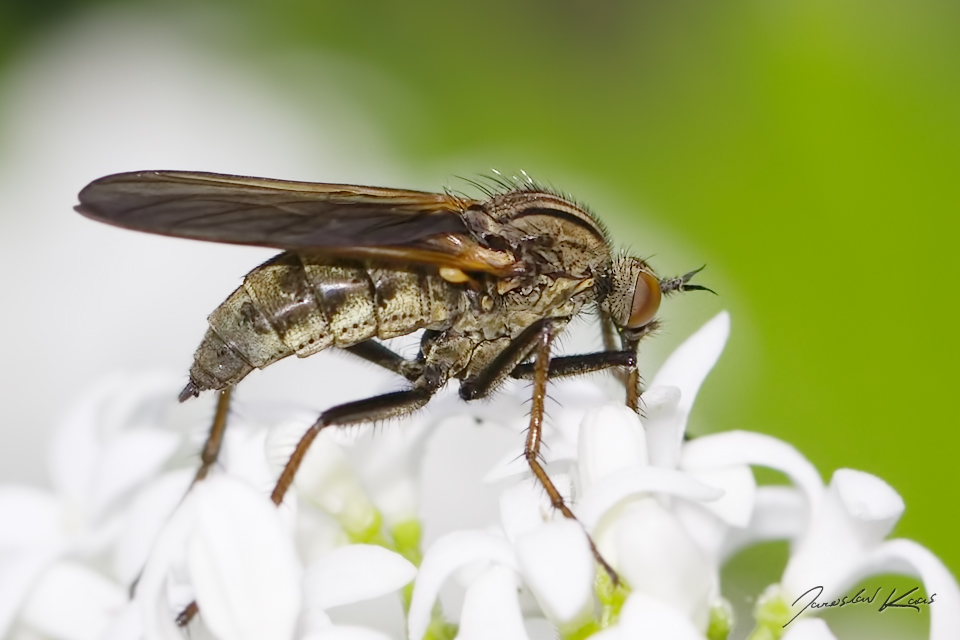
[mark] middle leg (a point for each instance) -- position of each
(379, 354)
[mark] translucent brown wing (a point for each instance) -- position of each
(336, 219)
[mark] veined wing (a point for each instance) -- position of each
(335, 219)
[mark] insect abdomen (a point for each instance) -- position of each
(302, 304)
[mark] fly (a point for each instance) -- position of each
(491, 283)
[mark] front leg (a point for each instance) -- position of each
(566, 366)
(536, 340)
(630, 339)
(611, 338)
(497, 371)
(531, 450)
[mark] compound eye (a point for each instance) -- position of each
(646, 301)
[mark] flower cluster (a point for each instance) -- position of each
(664, 511)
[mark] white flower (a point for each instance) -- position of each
(809, 629)
(366, 477)
(838, 530)
(229, 548)
(626, 506)
(645, 617)
(226, 545)
(844, 542)
(633, 486)
(641, 537)
(109, 446)
(665, 512)
(550, 556)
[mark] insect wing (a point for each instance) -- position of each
(271, 213)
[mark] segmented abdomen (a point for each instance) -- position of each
(302, 304)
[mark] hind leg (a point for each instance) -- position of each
(388, 405)
(211, 448)
(210, 451)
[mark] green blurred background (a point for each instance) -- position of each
(806, 150)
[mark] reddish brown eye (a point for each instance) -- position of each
(646, 301)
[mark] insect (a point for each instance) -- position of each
(491, 283)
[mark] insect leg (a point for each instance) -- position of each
(611, 338)
(631, 342)
(388, 405)
(488, 379)
(608, 332)
(579, 364)
(531, 450)
(211, 449)
(379, 354)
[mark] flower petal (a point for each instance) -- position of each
(559, 568)
(568, 403)
(689, 364)
(508, 466)
(354, 573)
(31, 517)
(346, 632)
(664, 425)
(115, 404)
(128, 460)
(874, 506)
(713, 523)
(72, 602)
(611, 439)
(388, 465)
(626, 483)
(243, 563)
(524, 507)
(508, 408)
(612, 633)
(745, 447)
(490, 608)
(325, 478)
(448, 554)
(75, 447)
(857, 511)
(245, 454)
(658, 558)
(141, 400)
(126, 625)
(167, 553)
(779, 513)
(739, 488)
(19, 572)
(143, 521)
(909, 558)
(809, 629)
(573, 398)
(643, 616)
